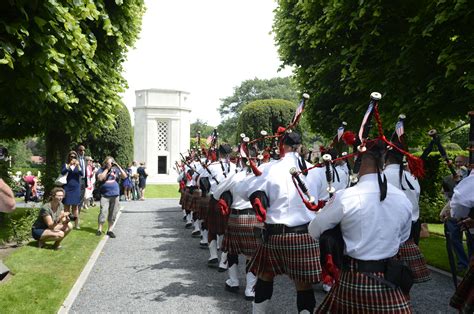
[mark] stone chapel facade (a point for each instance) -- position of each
(161, 131)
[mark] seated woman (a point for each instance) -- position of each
(53, 223)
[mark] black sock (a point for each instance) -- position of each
(305, 300)
(263, 290)
(232, 259)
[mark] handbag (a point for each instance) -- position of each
(61, 180)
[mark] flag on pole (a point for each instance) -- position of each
(364, 121)
(399, 129)
(340, 131)
(209, 139)
(298, 112)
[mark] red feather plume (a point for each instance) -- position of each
(349, 138)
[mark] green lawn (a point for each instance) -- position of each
(42, 278)
(162, 191)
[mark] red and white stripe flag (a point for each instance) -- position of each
(364, 121)
(399, 129)
(298, 112)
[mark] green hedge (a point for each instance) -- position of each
(16, 226)
(431, 198)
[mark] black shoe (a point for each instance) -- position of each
(249, 298)
(189, 225)
(221, 270)
(196, 234)
(111, 234)
(98, 233)
(203, 245)
(231, 289)
(184, 218)
(213, 262)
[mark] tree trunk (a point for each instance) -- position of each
(57, 147)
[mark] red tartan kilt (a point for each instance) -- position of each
(181, 198)
(216, 222)
(187, 200)
(296, 255)
(463, 298)
(410, 253)
(357, 293)
(239, 236)
(194, 201)
(202, 206)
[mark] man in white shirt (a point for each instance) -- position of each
(407, 183)
(287, 247)
(375, 218)
(239, 238)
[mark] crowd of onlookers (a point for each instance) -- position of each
(83, 182)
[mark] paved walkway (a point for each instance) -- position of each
(155, 266)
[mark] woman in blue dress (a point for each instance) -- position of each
(73, 186)
(128, 184)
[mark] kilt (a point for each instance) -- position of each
(239, 236)
(181, 198)
(463, 298)
(216, 222)
(355, 292)
(296, 255)
(194, 201)
(188, 197)
(410, 253)
(202, 207)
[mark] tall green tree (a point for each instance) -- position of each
(267, 114)
(248, 91)
(60, 68)
(116, 142)
(417, 54)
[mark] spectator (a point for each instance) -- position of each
(142, 175)
(128, 184)
(90, 182)
(135, 176)
(72, 187)
(30, 187)
(449, 182)
(52, 223)
(109, 175)
(81, 154)
(7, 199)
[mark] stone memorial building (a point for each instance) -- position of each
(161, 131)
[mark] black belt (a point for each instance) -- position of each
(246, 211)
(365, 266)
(276, 229)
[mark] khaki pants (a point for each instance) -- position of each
(109, 207)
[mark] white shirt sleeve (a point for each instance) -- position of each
(328, 217)
(463, 198)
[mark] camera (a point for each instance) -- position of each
(71, 217)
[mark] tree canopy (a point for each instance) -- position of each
(417, 54)
(248, 91)
(267, 114)
(61, 68)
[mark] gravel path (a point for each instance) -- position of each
(155, 266)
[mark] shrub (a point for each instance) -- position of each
(16, 226)
(431, 198)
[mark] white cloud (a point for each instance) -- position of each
(204, 47)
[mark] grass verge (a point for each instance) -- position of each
(162, 191)
(42, 278)
(435, 253)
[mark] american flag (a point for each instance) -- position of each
(340, 131)
(298, 112)
(209, 139)
(399, 129)
(364, 121)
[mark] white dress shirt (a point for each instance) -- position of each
(234, 184)
(218, 174)
(392, 173)
(371, 229)
(318, 182)
(463, 197)
(286, 206)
